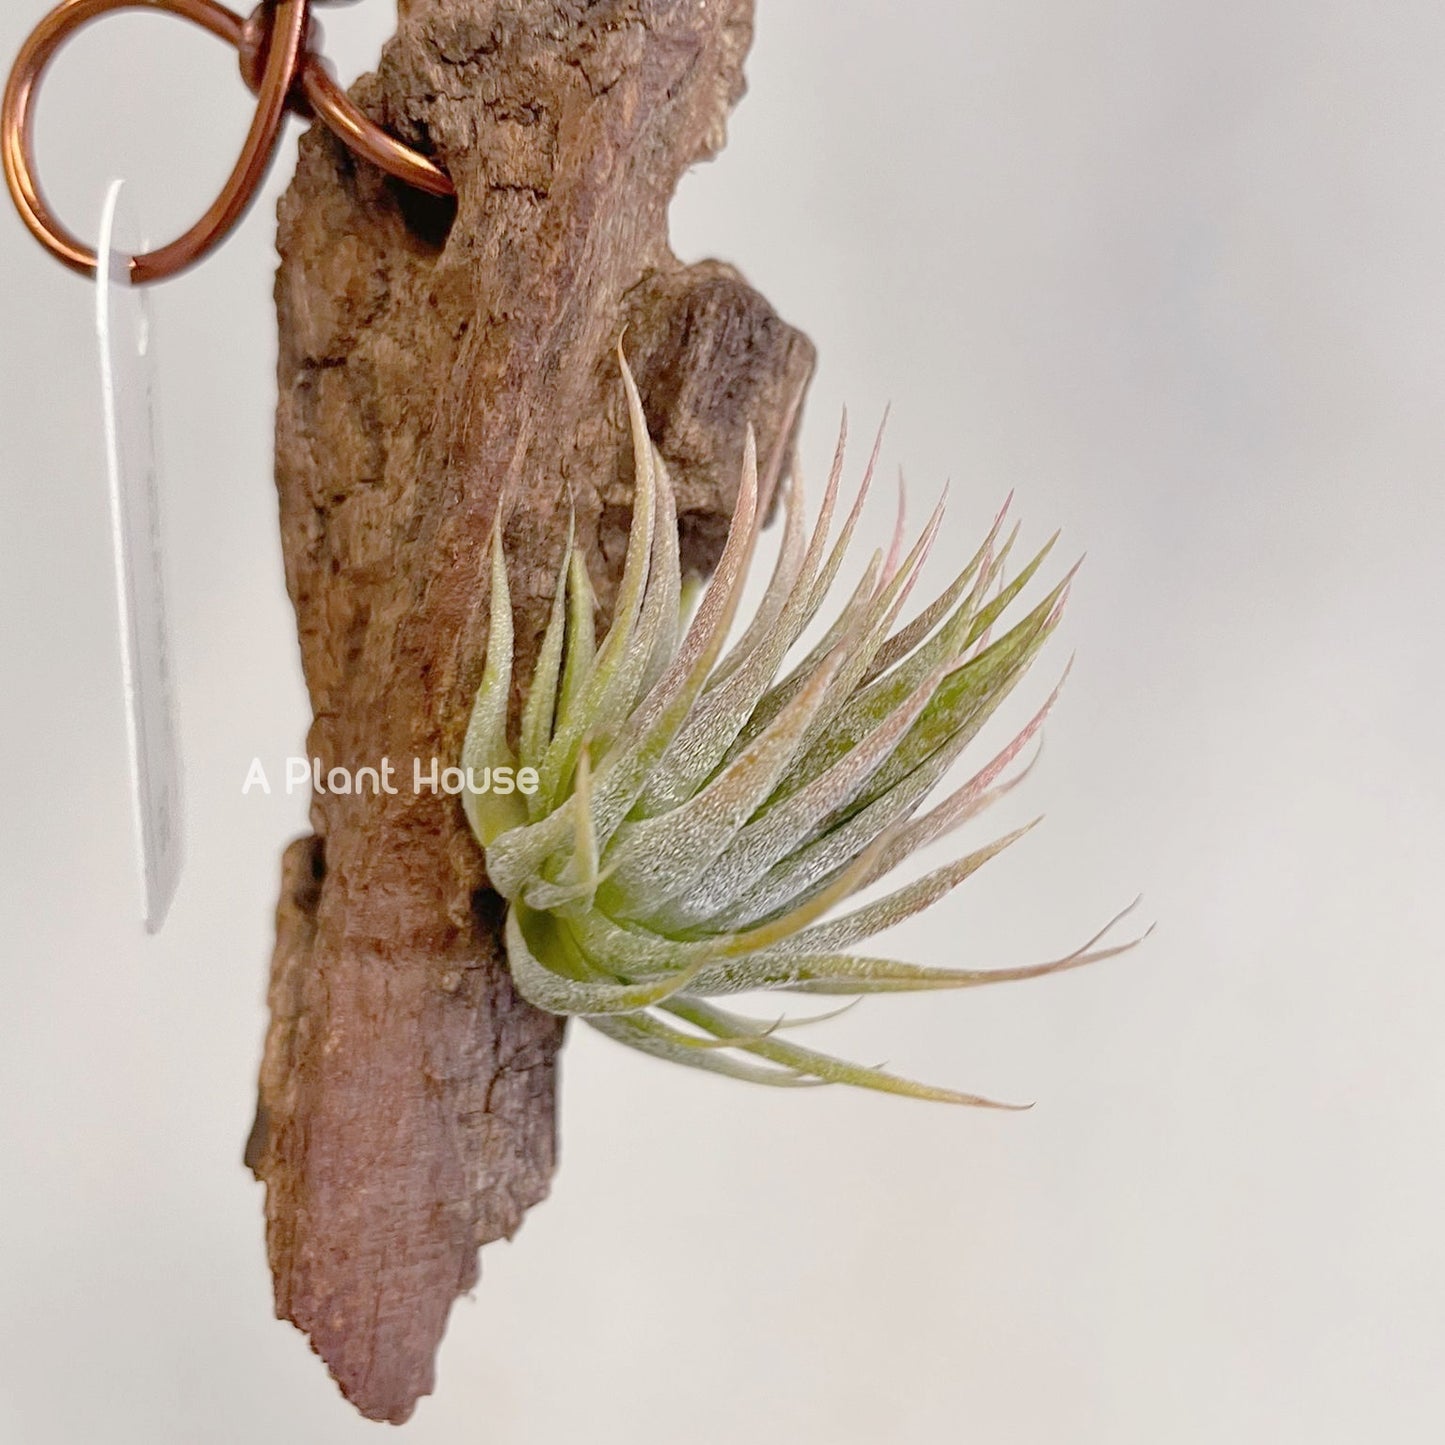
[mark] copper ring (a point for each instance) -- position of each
(334, 108)
(36, 54)
(287, 65)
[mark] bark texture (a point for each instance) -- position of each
(439, 362)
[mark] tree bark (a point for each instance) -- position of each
(439, 362)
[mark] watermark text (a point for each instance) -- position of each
(424, 776)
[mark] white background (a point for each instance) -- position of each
(1174, 273)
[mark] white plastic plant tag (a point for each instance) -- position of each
(126, 370)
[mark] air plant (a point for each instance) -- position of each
(696, 813)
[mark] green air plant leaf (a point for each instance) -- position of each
(700, 813)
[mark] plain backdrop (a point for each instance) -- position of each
(1171, 272)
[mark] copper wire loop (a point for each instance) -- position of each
(278, 65)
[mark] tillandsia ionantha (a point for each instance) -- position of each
(689, 816)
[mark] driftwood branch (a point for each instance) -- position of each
(437, 362)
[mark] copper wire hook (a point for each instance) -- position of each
(277, 64)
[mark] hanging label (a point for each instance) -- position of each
(127, 391)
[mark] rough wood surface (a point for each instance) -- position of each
(436, 361)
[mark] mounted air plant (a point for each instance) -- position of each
(691, 816)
